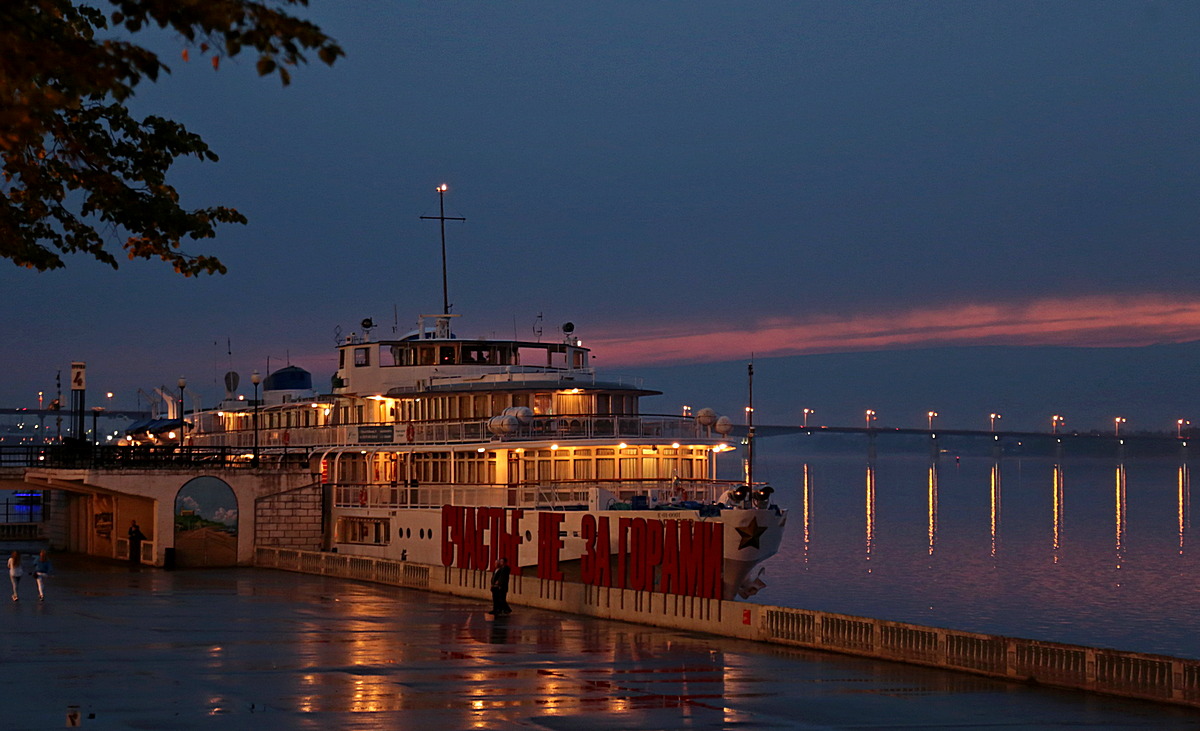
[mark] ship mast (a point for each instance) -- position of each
(441, 189)
(750, 427)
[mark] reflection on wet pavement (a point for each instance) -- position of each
(246, 647)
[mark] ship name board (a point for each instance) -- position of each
(376, 434)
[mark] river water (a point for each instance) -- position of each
(1091, 550)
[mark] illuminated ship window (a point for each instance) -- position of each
(366, 531)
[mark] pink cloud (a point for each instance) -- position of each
(1081, 322)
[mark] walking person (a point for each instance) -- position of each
(136, 536)
(15, 572)
(500, 588)
(41, 570)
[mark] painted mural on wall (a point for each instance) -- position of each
(206, 520)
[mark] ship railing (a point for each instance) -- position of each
(561, 427)
(549, 495)
(431, 495)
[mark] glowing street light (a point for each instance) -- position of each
(1179, 427)
(993, 417)
(870, 417)
(1055, 422)
(932, 415)
(1117, 422)
(806, 413)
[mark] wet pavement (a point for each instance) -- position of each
(256, 648)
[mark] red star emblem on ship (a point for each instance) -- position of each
(750, 534)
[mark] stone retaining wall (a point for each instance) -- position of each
(1134, 675)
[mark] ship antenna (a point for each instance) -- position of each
(441, 189)
(750, 425)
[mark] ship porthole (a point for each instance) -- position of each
(409, 533)
(422, 533)
(528, 537)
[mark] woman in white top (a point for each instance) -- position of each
(15, 572)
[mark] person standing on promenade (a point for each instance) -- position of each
(15, 572)
(136, 536)
(500, 588)
(41, 569)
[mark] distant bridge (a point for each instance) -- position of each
(102, 411)
(997, 442)
(776, 430)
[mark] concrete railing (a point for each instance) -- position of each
(21, 531)
(1113, 672)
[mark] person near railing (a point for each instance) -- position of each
(500, 588)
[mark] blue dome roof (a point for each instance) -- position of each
(291, 378)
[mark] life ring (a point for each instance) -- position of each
(409, 433)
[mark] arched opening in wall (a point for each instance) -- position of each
(206, 518)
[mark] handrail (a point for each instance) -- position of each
(465, 431)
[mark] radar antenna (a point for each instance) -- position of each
(442, 217)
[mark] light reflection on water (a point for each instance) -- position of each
(1089, 551)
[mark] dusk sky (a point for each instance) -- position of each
(689, 183)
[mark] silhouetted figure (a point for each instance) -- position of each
(500, 588)
(136, 536)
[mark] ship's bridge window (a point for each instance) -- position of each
(579, 359)
(478, 354)
(446, 355)
(426, 355)
(362, 357)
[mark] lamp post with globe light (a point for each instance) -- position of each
(256, 379)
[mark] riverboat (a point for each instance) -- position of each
(455, 451)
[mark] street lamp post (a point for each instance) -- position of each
(95, 434)
(256, 379)
(182, 423)
(932, 415)
(1055, 421)
(806, 413)
(1179, 427)
(870, 417)
(993, 417)
(1117, 422)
